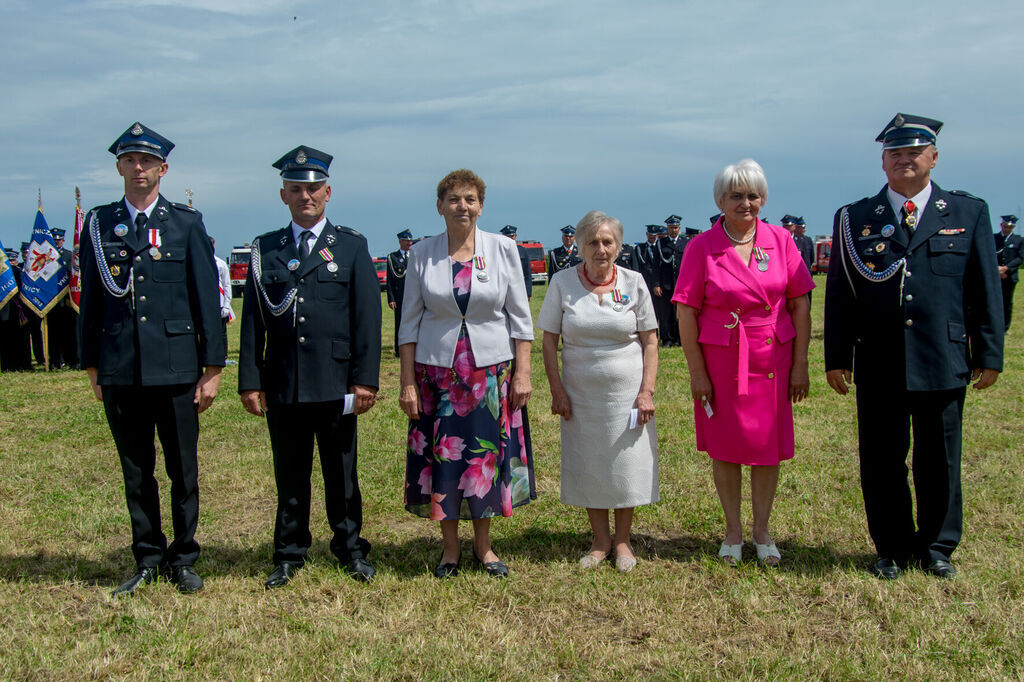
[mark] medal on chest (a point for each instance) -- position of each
(762, 259)
(480, 265)
(619, 300)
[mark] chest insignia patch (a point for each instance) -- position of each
(941, 204)
(952, 230)
(880, 209)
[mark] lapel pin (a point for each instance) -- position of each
(293, 264)
(880, 247)
(121, 230)
(888, 231)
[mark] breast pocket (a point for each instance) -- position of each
(332, 286)
(948, 255)
(170, 266)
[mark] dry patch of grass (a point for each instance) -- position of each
(64, 543)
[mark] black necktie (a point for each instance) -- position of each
(140, 227)
(304, 243)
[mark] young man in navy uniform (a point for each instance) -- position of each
(149, 317)
(310, 362)
(1010, 254)
(398, 261)
(566, 255)
(805, 245)
(648, 257)
(912, 314)
(512, 232)
(671, 248)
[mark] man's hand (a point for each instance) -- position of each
(839, 380)
(657, 290)
(255, 402)
(93, 374)
(392, 305)
(988, 377)
(206, 389)
(366, 397)
(1003, 272)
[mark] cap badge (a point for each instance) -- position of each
(899, 121)
(136, 130)
(293, 264)
(300, 157)
(941, 204)
(121, 230)
(888, 231)
(880, 209)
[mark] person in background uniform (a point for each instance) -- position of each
(671, 248)
(150, 323)
(62, 320)
(310, 362)
(398, 261)
(627, 258)
(805, 245)
(566, 255)
(648, 257)
(913, 314)
(512, 232)
(12, 338)
(789, 222)
(223, 290)
(33, 323)
(1010, 254)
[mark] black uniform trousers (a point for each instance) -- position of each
(62, 334)
(884, 418)
(398, 323)
(1008, 285)
(663, 307)
(293, 427)
(133, 413)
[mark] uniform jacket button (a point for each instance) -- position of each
(302, 320)
(909, 323)
(301, 299)
(909, 297)
(142, 278)
(142, 319)
(142, 299)
(138, 259)
(302, 339)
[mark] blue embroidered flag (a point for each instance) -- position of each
(8, 285)
(44, 279)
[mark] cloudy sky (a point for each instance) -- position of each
(561, 107)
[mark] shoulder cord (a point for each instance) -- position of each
(101, 263)
(394, 268)
(847, 244)
(255, 264)
(661, 252)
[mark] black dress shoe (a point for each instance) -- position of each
(360, 569)
(186, 579)
(495, 569)
(144, 576)
(281, 575)
(886, 568)
(447, 570)
(941, 568)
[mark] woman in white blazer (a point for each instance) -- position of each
(464, 345)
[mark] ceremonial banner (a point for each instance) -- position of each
(8, 285)
(75, 285)
(44, 279)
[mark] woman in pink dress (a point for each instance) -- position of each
(744, 321)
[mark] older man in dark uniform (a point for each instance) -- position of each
(1010, 254)
(398, 261)
(512, 232)
(566, 255)
(648, 259)
(913, 314)
(627, 257)
(310, 362)
(152, 347)
(670, 248)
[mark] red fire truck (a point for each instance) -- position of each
(381, 266)
(538, 262)
(822, 255)
(238, 266)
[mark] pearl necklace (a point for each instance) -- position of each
(739, 241)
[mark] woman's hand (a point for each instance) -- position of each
(409, 400)
(645, 406)
(700, 386)
(799, 382)
(560, 403)
(520, 391)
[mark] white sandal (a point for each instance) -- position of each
(769, 554)
(731, 554)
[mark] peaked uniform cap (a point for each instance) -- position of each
(139, 138)
(304, 164)
(907, 130)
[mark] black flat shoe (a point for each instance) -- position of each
(281, 575)
(186, 579)
(144, 576)
(941, 569)
(360, 569)
(447, 570)
(495, 569)
(886, 568)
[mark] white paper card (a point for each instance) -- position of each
(634, 418)
(350, 403)
(708, 410)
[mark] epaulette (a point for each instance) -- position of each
(961, 193)
(183, 207)
(349, 230)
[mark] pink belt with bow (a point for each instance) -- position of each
(739, 320)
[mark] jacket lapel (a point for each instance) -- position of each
(730, 261)
(310, 264)
(933, 217)
(281, 247)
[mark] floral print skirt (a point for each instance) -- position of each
(468, 456)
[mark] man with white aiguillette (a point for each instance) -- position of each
(398, 262)
(310, 362)
(913, 308)
(149, 317)
(1010, 254)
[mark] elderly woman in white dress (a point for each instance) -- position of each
(605, 391)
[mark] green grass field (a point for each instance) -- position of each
(64, 543)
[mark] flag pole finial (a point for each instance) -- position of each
(40, 191)
(78, 197)
(188, 193)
